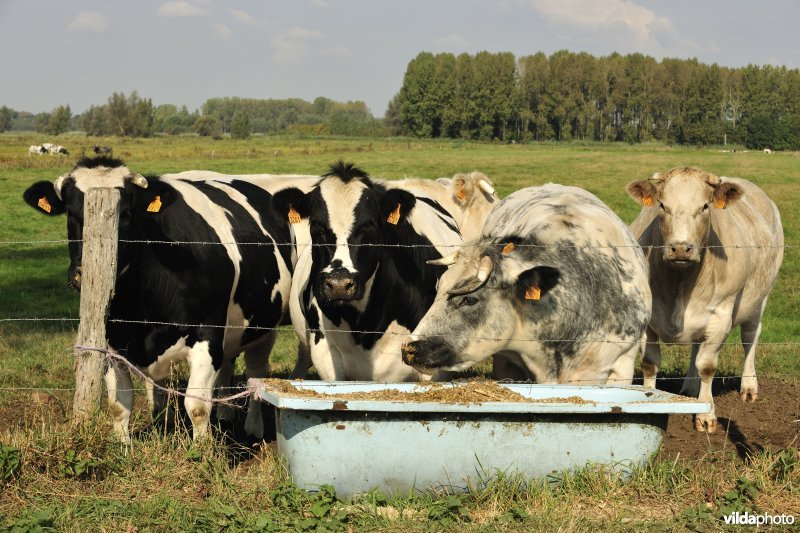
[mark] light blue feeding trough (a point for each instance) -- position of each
(396, 446)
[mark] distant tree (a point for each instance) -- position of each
(129, 116)
(6, 117)
(41, 122)
(93, 121)
(60, 120)
(240, 126)
(206, 126)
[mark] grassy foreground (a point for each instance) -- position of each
(53, 477)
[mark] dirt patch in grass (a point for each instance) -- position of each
(769, 423)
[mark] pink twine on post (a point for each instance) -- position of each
(111, 355)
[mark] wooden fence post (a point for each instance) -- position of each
(98, 276)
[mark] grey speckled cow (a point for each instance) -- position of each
(555, 288)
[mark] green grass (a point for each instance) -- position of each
(164, 482)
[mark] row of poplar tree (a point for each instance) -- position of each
(566, 96)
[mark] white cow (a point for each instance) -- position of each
(714, 246)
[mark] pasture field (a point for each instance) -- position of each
(54, 477)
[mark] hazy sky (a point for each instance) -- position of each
(78, 52)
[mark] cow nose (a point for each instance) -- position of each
(74, 279)
(681, 250)
(408, 350)
(340, 285)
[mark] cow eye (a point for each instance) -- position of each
(467, 300)
(705, 207)
(661, 205)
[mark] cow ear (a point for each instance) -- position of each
(644, 192)
(291, 204)
(396, 204)
(462, 189)
(155, 199)
(42, 197)
(726, 193)
(533, 284)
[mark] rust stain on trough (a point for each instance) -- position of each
(340, 405)
(339, 426)
(616, 409)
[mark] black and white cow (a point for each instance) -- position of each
(178, 299)
(103, 150)
(555, 288)
(363, 284)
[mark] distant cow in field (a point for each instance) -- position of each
(36, 149)
(59, 150)
(714, 246)
(555, 289)
(103, 150)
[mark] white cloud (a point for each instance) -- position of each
(293, 44)
(452, 41)
(243, 17)
(642, 25)
(221, 30)
(180, 8)
(90, 22)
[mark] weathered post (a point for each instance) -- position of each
(98, 275)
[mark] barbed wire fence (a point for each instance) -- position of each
(94, 351)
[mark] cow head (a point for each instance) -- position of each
(479, 303)
(685, 198)
(350, 217)
(474, 196)
(65, 195)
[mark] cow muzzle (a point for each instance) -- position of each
(74, 277)
(681, 254)
(339, 285)
(427, 356)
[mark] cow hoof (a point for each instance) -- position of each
(705, 424)
(749, 396)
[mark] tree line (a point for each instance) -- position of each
(566, 96)
(495, 97)
(133, 116)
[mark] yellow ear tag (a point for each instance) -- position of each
(394, 216)
(155, 205)
(508, 248)
(533, 293)
(461, 194)
(294, 216)
(720, 203)
(44, 205)
(647, 200)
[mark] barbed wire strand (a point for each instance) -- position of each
(288, 328)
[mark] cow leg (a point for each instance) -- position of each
(751, 330)
(200, 389)
(223, 386)
(303, 360)
(691, 383)
(256, 360)
(706, 364)
(651, 358)
(327, 361)
(120, 399)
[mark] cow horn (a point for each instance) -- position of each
(139, 180)
(445, 261)
(485, 268)
(487, 188)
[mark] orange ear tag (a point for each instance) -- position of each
(647, 200)
(44, 205)
(720, 203)
(461, 194)
(155, 205)
(508, 248)
(533, 293)
(294, 216)
(394, 216)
